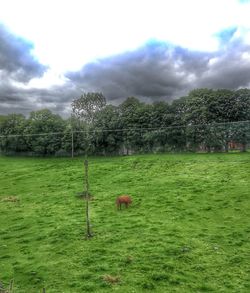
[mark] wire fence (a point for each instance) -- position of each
(216, 137)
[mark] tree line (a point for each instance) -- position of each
(204, 120)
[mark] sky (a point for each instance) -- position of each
(53, 51)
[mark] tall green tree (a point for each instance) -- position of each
(130, 117)
(12, 129)
(108, 135)
(45, 132)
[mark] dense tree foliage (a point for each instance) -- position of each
(49, 124)
(205, 119)
(12, 127)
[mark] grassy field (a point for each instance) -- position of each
(186, 231)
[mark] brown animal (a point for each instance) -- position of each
(123, 199)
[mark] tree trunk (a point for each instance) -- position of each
(226, 147)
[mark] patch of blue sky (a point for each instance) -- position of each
(244, 1)
(227, 34)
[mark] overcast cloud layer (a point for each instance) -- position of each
(16, 62)
(155, 71)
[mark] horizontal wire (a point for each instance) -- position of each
(126, 129)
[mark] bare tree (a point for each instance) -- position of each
(85, 107)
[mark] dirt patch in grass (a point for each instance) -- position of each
(10, 198)
(112, 280)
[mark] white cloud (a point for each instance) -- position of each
(50, 78)
(213, 61)
(246, 56)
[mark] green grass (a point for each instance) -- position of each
(186, 231)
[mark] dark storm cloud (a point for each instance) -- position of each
(16, 60)
(24, 101)
(155, 70)
(162, 71)
(18, 65)
(229, 69)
